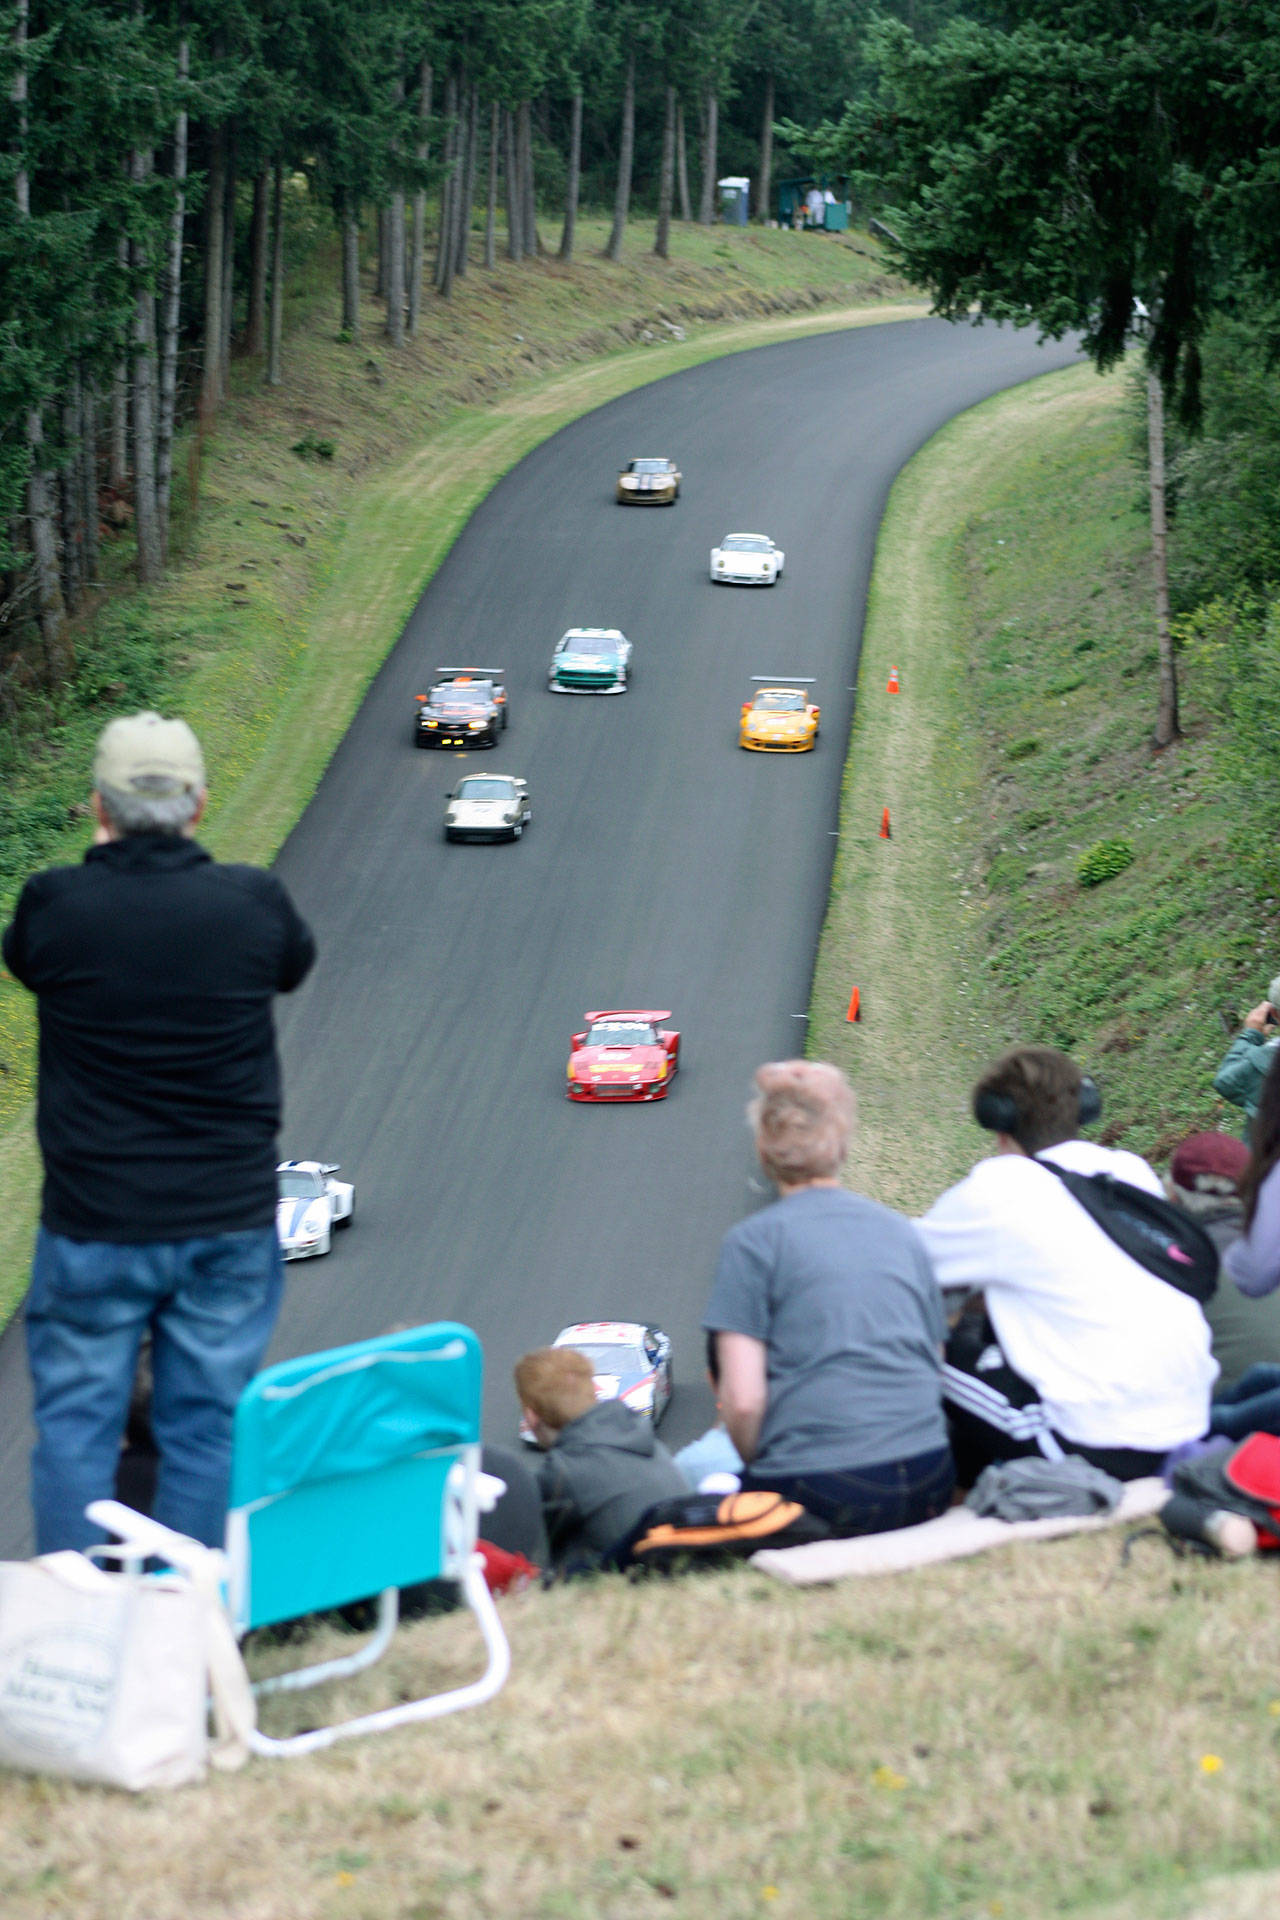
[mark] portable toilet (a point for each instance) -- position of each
(735, 194)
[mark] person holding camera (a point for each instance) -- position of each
(1248, 1059)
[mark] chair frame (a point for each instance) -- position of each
(467, 1493)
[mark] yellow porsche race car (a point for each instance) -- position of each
(779, 719)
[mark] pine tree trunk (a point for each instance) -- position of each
(491, 191)
(766, 151)
(228, 272)
(466, 198)
(142, 407)
(418, 226)
(118, 434)
(255, 329)
(710, 128)
(275, 313)
(42, 533)
(171, 318)
(572, 185)
(215, 228)
(626, 156)
(515, 226)
(666, 178)
(89, 477)
(350, 266)
(682, 166)
(448, 191)
(393, 274)
(524, 140)
(71, 499)
(1167, 727)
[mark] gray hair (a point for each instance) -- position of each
(802, 1118)
(157, 811)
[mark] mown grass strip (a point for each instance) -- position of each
(905, 918)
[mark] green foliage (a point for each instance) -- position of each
(313, 446)
(1103, 861)
(1022, 749)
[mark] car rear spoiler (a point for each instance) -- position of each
(628, 1013)
(784, 679)
(481, 673)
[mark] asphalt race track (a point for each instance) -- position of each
(664, 867)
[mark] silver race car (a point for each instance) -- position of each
(630, 1362)
(310, 1205)
(746, 560)
(487, 806)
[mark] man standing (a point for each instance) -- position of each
(158, 1104)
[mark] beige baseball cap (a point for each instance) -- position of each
(144, 753)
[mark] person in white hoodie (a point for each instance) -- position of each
(1081, 1350)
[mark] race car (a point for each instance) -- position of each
(630, 1362)
(649, 483)
(590, 660)
(487, 806)
(780, 719)
(467, 707)
(623, 1055)
(746, 560)
(310, 1204)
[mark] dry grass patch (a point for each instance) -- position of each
(1023, 1736)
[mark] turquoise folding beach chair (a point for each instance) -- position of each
(354, 1472)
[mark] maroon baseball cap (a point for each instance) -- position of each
(1209, 1163)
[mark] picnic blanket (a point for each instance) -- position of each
(952, 1536)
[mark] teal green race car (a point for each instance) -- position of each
(590, 660)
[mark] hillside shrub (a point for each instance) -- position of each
(1103, 861)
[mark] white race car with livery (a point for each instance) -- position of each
(630, 1362)
(310, 1204)
(746, 560)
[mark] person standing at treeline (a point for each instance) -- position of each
(158, 1104)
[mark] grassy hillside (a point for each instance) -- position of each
(1012, 589)
(325, 505)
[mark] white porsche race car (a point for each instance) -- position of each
(746, 560)
(310, 1205)
(630, 1362)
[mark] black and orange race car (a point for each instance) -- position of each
(467, 707)
(623, 1055)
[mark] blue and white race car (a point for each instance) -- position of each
(310, 1205)
(590, 660)
(629, 1361)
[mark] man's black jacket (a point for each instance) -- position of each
(159, 1094)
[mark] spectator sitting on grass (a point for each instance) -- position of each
(1248, 1059)
(1081, 1350)
(603, 1466)
(713, 1457)
(828, 1326)
(1204, 1179)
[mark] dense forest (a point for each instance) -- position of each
(154, 149)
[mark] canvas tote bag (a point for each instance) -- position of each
(110, 1677)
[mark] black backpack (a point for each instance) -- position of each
(708, 1529)
(1161, 1237)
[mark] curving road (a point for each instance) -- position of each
(664, 867)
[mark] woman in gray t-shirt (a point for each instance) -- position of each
(828, 1326)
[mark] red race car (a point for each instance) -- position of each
(623, 1055)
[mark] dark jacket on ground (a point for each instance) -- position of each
(603, 1472)
(154, 969)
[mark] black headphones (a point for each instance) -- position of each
(998, 1113)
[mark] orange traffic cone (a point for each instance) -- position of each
(893, 681)
(884, 825)
(855, 1006)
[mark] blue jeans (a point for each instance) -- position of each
(875, 1499)
(1251, 1406)
(210, 1304)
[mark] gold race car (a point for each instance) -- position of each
(649, 483)
(780, 719)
